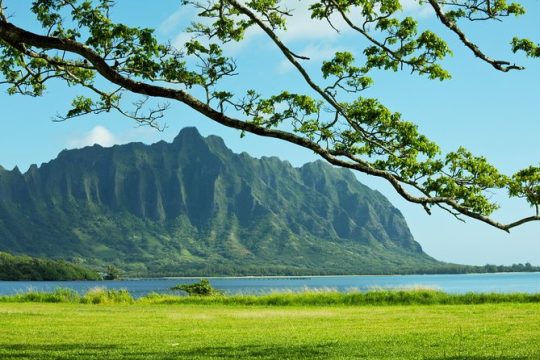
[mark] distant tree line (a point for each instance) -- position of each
(405, 269)
(30, 268)
(488, 268)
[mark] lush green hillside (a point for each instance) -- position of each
(29, 268)
(193, 207)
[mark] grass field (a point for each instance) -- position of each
(175, 331)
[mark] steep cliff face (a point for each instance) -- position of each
(195, 207)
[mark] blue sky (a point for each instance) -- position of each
(491, 113)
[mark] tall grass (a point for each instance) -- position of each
(334, 298)
(59, 295)
(305, 298)
(105, 296)
(62, 295)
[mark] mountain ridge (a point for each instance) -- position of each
(194, 207)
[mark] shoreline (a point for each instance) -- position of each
(308, 277)
(278, 277)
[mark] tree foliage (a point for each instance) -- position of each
(29, 268)
(112, 273)
(201, 288)
(81, 45)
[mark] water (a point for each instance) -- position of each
(502, 283)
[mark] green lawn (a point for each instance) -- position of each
(146, 331)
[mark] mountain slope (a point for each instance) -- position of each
(193, 207)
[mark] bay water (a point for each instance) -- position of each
(462, 283)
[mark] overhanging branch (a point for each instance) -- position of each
(20, 38)
(500, 65)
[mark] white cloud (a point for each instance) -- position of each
(171, 23)
(301, 26)
(102, 136)
(234, 47)
(415, 8)
(180, 40)
(230, 48)
(316, 52)
(180, 18)
(98, 135)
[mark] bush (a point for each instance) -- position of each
(201, 288)
(106, 296)
(112, 273)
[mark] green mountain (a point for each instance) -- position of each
(193, 207)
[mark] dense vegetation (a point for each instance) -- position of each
(199, 209)
(420, 296)
(488, 268)
(29, 268)
(146, 331)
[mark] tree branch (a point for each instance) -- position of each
(500, 65)
(17, 37)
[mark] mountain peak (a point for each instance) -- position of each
(317, 164)
(187, 133)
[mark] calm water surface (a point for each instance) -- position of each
(503, 283)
